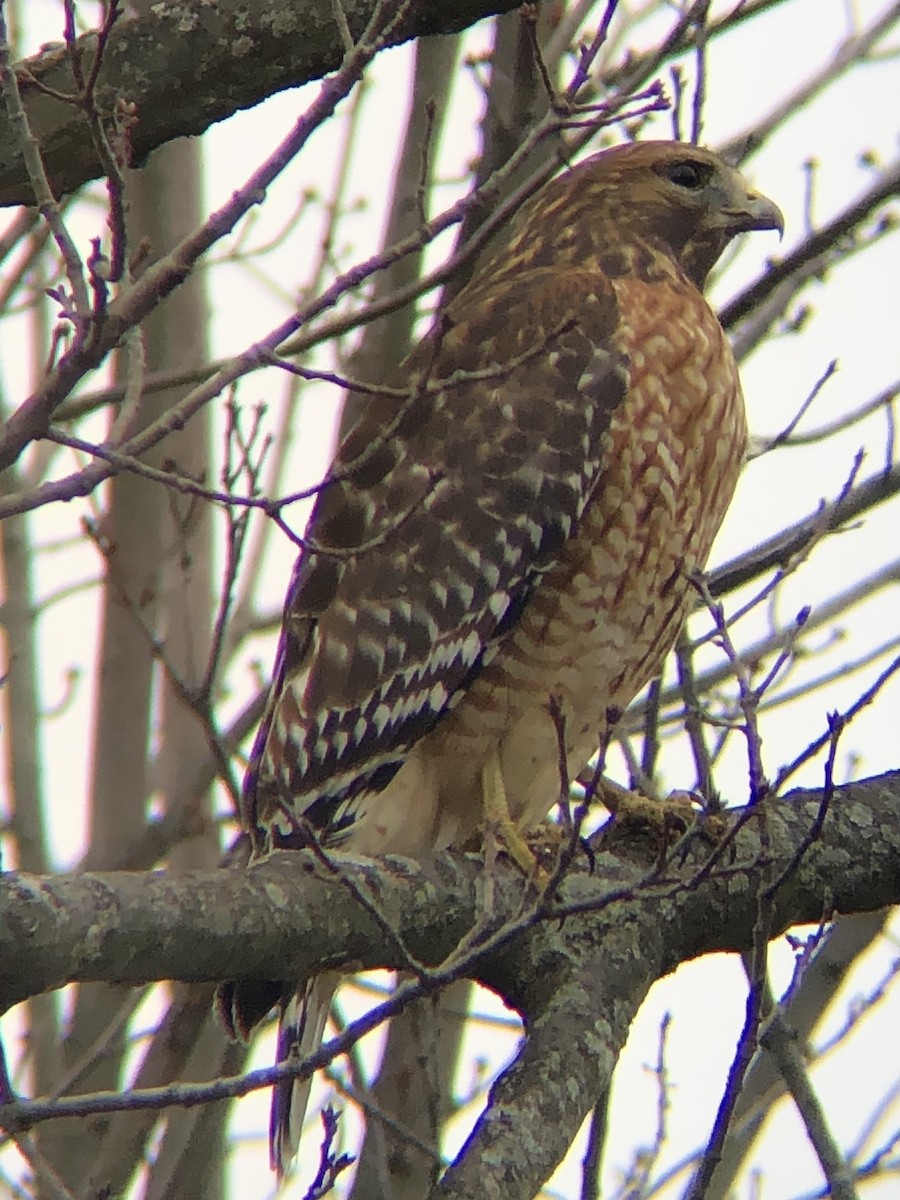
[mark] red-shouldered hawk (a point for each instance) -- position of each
(519, 525)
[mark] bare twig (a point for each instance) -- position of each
(819, 743)
(79, 307)
(31, 419)
(700, 45)
(747, 1044)
(778, 551)
(785, 435)
(777, 1038)
(331, 1165)
(593, 1156)
(885, 187)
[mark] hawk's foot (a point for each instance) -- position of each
(551, 840)
(546, 840)
(668, 820)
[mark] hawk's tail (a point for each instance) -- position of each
(300, 1031)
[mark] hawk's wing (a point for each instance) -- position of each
(442, 511)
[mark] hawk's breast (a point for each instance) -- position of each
(599, 624)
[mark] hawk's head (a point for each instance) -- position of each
(680, 198)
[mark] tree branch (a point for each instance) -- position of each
(185, 66)
(288, 916)
(578, 981)
(777, 551)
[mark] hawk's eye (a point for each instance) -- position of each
(689, 175)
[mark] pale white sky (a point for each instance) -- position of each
(854, 320)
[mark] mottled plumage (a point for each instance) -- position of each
(517, 526)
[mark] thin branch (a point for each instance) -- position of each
(747, 1044)
(785, 436)
(853, 710)
(43, 195)
(31, 419)
(779, 1041)
(778, 550)
(885, 187)
(592, 1162)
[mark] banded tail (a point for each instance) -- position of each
(300, 1031)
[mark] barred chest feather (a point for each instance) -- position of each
(600, 623)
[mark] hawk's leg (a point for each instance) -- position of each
(499, 821)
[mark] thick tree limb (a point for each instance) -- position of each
(287, 916)
(578, 982)
(578, 1014)
(185, 66)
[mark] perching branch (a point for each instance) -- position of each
(287, 915)
(626, 925)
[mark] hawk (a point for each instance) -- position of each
(505, 540)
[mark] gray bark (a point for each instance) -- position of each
(185, 66)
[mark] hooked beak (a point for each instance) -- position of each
(742, 210)
(759, 212)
